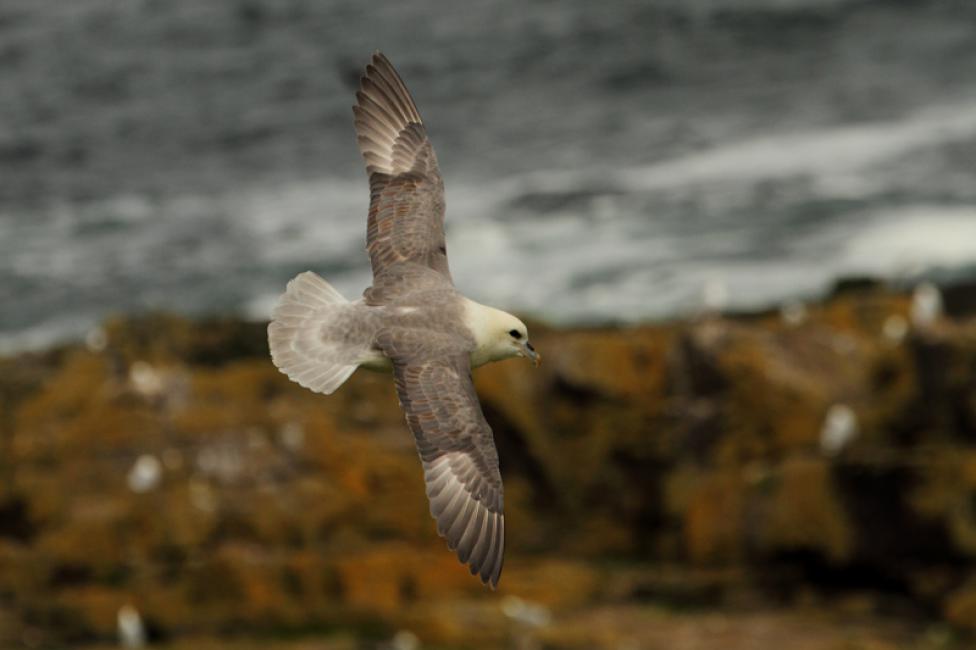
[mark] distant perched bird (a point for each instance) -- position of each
(839, 429)
(412, 320)
(926, 306)
(132, 631)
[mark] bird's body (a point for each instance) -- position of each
(412, 320)
(480, 321)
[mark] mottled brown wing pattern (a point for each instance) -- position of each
(457, 451)
(400, 227)
(412, 283)
(406, 211)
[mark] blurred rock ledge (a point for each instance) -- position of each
(822, 455)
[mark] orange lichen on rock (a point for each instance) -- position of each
(389, 576)
(713, 515)
(557, 583)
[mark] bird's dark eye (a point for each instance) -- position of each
(516, 334)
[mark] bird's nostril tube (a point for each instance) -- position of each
(529, 345)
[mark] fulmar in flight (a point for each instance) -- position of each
(412, 320)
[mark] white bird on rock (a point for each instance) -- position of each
(412, 320)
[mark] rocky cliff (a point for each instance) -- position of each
(822, 454)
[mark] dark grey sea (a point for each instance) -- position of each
(604, 161)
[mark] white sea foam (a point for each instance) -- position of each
(831, 153)
(612, 244)
(908, 239)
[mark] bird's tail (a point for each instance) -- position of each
(306, 335)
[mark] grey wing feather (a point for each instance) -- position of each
(457, 450)
(410, 282)
(406, 210)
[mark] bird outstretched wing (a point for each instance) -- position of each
(456, 447)
(406, 209)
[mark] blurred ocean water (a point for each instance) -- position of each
(603, 163)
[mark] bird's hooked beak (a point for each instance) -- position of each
(529, 353)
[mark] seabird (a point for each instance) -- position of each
(412, 320)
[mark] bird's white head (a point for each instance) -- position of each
(498, 335)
